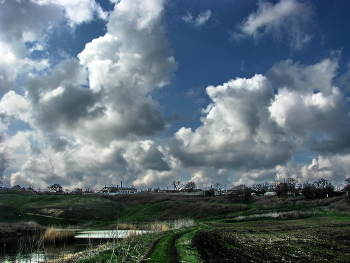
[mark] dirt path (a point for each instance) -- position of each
(173, 253)
(150, 251)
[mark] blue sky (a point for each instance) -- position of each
(148, 92)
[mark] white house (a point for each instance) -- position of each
(115, 190)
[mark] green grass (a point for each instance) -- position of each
(161, 251)
(107, 256)
(127, 250)
(102, 211)
(146, 212)
(58, 209)
(187, 252)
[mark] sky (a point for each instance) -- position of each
(148, 92)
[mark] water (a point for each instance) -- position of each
(107, 234)
(30, 249)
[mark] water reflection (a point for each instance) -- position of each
(30, 248)
(106, 234)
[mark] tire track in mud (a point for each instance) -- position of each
(173, 253)
(150, 251)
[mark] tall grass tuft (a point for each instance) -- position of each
(53, 235)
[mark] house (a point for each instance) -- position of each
(18, 189)
(115, 190)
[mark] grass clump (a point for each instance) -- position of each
(54, 235)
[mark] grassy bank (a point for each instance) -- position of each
(96, 211)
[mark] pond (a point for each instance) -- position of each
(29, 248)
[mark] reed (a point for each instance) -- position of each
(127, 226)
(53, 235)
(158, 226)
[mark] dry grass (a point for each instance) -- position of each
(158, 226)
(13, 229)
(53, 235)
(341, 206)
(127, 226)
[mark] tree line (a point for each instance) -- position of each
(290, 186)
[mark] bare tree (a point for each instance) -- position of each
(218, 187)
(177, 185)
(190, 186)
(55, 188)
(347, 186)
(259, 189)
(319, 188)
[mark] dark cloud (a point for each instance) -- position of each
(294, 76)
(19, 18)
(4, 162)
(239, 156)
(66, 74)
(153, 160)
(69, 106)
(59, 144)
